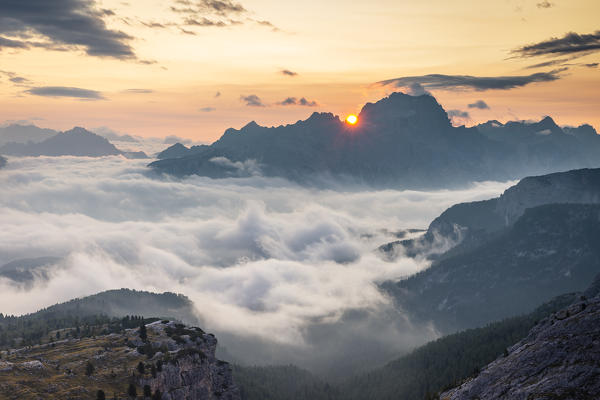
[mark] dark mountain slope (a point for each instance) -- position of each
(551, 249)
(473, 223)
(559, 359)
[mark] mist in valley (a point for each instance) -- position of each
(279, 272)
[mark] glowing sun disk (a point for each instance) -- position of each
(352, 119)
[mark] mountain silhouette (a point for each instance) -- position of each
(401, 140)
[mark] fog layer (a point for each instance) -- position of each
(280, 272)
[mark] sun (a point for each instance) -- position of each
(352, 119)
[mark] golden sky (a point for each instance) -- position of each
(179, 54)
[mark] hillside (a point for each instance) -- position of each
(418, 375)
(558, 359)
(400, 141)
(471, 224)
(106, 306)
(551, 249)
(162, 360)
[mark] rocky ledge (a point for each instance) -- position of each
(559, 359)
(161, 360)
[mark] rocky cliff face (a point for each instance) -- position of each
(170, 362)
(559, 359)
(190, 371)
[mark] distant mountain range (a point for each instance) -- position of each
(401, 140)
(512, 254)
(75, 142)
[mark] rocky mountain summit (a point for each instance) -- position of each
(559, 359)
(161, 360)
(399, 141)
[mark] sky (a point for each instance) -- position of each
(194, 68)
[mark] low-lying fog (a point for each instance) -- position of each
(281, 273)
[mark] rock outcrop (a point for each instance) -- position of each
(163, 360)
(559, 359)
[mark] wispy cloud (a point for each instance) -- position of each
(479, 104)
(62, 91)
(252, 100)
(293, 101)
(468, 82)
(570, 44)
(288, 72)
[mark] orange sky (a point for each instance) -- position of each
(337, 49)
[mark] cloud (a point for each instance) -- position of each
(459, 114)
(172, 139)
(207, 109)
(218, 94)
(14, 78)
(139, 91)
(591, 65)
(292, 101)
(288, 72)
(252, 100)
(570, 43)
(204, 22)
(74, 24)
(62, 91)
(265, 261)
(468, 82)
(545, 4)
(480, 104)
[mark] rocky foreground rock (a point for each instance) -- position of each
(559, 359)
(169, 362)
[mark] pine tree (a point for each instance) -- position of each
(89, 369)
(100, 395)
(147, 391)
(132, 391)
(143, 332)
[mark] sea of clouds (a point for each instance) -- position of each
(282, 273)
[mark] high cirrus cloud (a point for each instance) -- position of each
(260, 257)
(570, 44)
(468, 82)
(62, 91)
(62, 24)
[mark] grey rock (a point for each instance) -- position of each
(559, 359)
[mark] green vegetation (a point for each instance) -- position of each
(419, 375)
(281, 383)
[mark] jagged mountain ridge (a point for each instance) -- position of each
(75, 142)
(470, 224)
(400, 140)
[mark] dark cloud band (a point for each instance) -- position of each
(74, 23)
(468, 82)
(571, 43)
